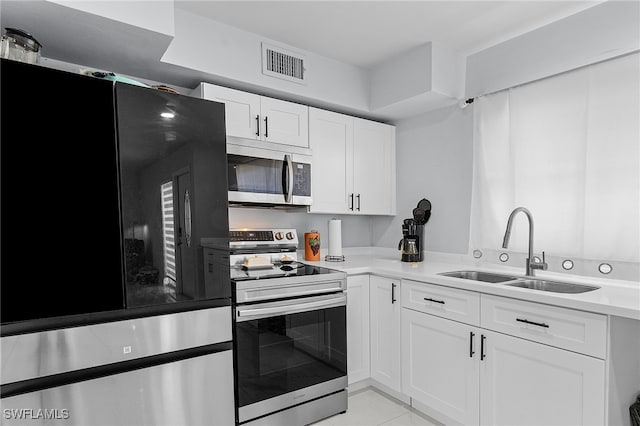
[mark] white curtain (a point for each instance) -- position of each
(568, 149)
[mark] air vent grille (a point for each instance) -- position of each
(280, 63)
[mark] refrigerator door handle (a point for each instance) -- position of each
(187, 218)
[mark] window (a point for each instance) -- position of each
(568, 149)
(168, 233)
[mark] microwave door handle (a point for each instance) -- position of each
(252, 313)
(290, 179)
(287, 178)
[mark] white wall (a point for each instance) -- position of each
(435, 153)
(599, 33)
(234, 57)
(153, 15)
(356, 230)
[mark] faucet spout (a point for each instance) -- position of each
(531, 265)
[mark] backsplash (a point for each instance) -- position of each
(356, 230)
(628, 271)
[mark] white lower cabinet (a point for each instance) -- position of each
(473, 359)
(439, 366)
(465, 374)
(385, 331)
(358, 367)
(527, 383)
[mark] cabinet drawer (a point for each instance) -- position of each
(446, 302)
(577, 331)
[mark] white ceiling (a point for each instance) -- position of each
(365, 33)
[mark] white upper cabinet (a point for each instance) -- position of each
(331, 139)
(252, 116)
(374, 162)
(353, 165)
(284, 122)
(242, 109)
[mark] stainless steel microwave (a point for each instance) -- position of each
(263, 176)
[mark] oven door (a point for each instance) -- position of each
(262, 176)
(289, 352)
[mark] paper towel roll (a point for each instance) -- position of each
(335, 237)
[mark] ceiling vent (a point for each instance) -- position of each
(281, 63)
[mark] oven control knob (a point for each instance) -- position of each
(289, 235)
(278, 235)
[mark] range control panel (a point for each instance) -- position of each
(258, 237)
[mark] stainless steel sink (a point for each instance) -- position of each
(522, 282)
(486, 277)
(554, 286)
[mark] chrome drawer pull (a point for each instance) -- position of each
(539, 324)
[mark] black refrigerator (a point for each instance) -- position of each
(115, 291)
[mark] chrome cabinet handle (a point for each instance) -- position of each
(482, 354)
(266, 127)
(393, 293)
(257, 125)
(358, 197)
(351, 199)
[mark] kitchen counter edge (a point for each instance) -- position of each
(614, 297)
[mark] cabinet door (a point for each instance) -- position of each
(374, 171)
(330, 134)
(358, 328)
(527, 383)
(440, 365)
(284, 122)
(385, 331)
(242, 110)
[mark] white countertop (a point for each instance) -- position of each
(614, 297)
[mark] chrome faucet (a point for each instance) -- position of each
(531, 264)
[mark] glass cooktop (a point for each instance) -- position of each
(294, 269)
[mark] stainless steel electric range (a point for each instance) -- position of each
(290, 331)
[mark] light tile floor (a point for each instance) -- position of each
(371, 408)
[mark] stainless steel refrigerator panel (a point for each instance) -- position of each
(57, 351)
(194, 391)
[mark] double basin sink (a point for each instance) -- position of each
(523, 282)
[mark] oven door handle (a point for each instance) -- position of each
(253, 312)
